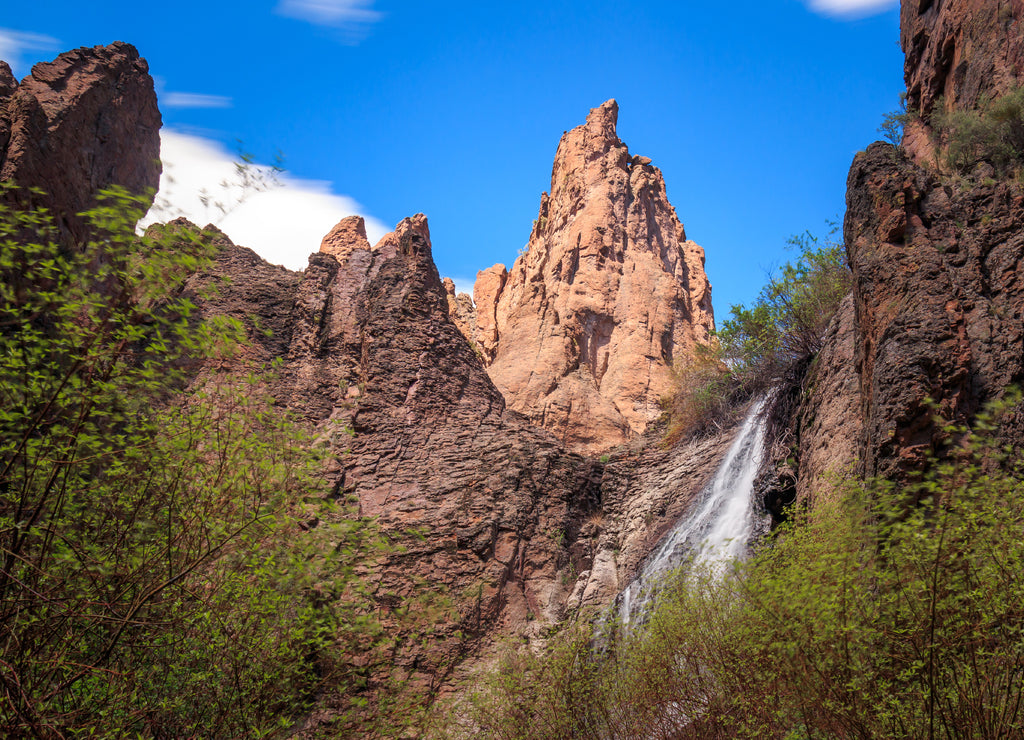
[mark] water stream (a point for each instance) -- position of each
(719, 527)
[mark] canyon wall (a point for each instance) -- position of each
(935, 327)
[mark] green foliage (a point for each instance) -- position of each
(898, 612)
(787, 323)
(895, 121)
(994, 133)
(759, 346)
(152, 580)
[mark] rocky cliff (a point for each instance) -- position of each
(85, 121)
(582, 333)
(959, 53)
(960, 50)
(516, 530)
(939, 295)
(935, 329)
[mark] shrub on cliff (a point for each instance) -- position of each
(787, 323)
(767, 343)
(896, 613)
(993, 133)
(152, 580)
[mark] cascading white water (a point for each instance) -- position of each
(718, 529)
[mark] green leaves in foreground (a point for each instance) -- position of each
(153, 579)
(898, 613)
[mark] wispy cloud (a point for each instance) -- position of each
(15, 45)
(352, 17)
(282, 224)
(194, 100)
(851, 8)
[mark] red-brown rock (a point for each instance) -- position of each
(486, 291)
(461, 309)
(582, 335)
(419, 434)
(347, 235)
(938, 272)
(961, 50)
(85, 121)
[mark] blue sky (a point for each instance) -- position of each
(753, 109)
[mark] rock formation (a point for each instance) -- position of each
(938, 268)
(419, 433)
(461, 309)
(939, 292)
(582, 333)
(85, 121)
(829, 426)
(961, 51)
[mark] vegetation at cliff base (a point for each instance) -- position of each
(152, 580)
(769, 342)
(897, 613)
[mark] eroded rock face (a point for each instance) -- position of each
(85, 121)
(961, 51)
(460, 309)
(938, 272)
(608, 296)
(419, 434)
(7, 87)
(829, 425)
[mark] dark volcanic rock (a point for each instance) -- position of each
(962, 51)
(85, 121)
(7, 87)
(939, 299)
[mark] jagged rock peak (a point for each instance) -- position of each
(8, 83)
(582, 332)
(348, 235)
(85, 121)
(411, 233)
(460, 309)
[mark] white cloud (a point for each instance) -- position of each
(352, 17)
(193, 100)
(15, 44)
(282, 224)
(851, 8)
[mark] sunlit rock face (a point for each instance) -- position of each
(85, 121)
(582, 333)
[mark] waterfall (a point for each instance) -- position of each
(719, 527)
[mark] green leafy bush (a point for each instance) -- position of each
(153, 580)
(787, 324)
(898, 612)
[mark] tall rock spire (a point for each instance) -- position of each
(583, 333)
